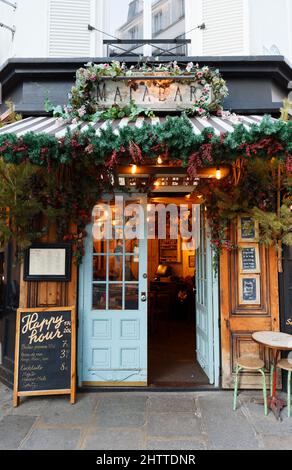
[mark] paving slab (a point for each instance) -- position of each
(52, 439)
(124, 403)
(106, 439)
(175, 425)
(60, 412)
(226, 429)
(13, 430)
(109, 419)
(276, 443)
(171, 403)
(175, 444)
(269, 425)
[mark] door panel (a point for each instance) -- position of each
(205, 288)
(113, 308)
(239, 320)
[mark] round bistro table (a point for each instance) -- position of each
(277, 342)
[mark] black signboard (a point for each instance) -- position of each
(249, 289)
(249, 262)
(45, 352)
(247, 228)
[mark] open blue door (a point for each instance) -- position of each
(113, 309)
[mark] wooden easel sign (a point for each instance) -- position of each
(45, 352)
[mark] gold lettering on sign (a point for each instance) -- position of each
(44, 330)
(289, 322)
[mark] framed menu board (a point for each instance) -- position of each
(170, 251)
(248, 229)
(249, 289)
(249, 260)
(48, 262)
(45, 352)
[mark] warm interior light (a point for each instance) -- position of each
(156, 183)
(159, 161)
(199, 196)
(134, 169)
(218, 174)
(188, 196)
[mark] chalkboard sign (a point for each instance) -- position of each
(248, 229)
(45, 352)
(250, 289)
(249, 259)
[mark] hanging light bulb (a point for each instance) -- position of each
(134, 169)
(156, 183)
(218, 174)
(159, 161)
(188, 196)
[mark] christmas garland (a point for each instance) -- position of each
(68, 174)
(84, 106)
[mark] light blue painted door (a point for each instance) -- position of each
(113, 310)
(207, 334)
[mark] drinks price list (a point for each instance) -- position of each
(44, 361)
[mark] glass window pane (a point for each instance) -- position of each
(132, 246)
(131, 297)
(115, 296)
(116, 246)
(116, 268)
(131, 268)
(99, 296)
(99, 268)
(99, 246)
(124, 20)
(168, 21)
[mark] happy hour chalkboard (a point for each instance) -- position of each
(45, 352)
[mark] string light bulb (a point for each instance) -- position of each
(159, 161)
(134, 169)
(218, 174)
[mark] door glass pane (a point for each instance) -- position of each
(99, 268)
(168, 21)
(115, 300)
(99, 296)
(132, 246)
(131, 268)
(116, 267)
(124, 20)
(116, 246)
(131, 296)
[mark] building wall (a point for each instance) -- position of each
(58, 28)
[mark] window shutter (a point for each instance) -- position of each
(224, 34)
(68, 28)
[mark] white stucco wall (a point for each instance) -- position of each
(271, 27)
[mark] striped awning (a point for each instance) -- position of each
(53, 126)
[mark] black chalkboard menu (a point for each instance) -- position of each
(249, 259)
(45, 352)
(249, 289)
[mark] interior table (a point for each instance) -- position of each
(277, 342)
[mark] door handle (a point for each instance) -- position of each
(143, 297)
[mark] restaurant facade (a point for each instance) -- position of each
(155, 312)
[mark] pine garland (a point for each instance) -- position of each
(81, 165)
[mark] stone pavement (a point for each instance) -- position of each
(141, 420)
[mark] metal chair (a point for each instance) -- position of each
(285, 364)
(253, 364)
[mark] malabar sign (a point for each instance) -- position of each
(158, 93)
